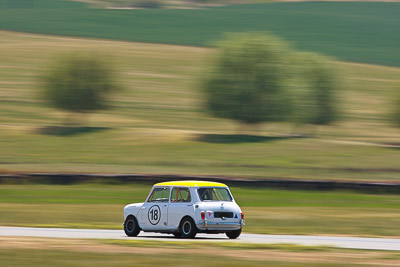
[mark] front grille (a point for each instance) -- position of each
(220, 214)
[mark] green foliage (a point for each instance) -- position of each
(396, 111)
(247, 83)
(79, 83)
(145, 3)
(259, 78)
(314, 89)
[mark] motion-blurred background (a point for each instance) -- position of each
(242, 89)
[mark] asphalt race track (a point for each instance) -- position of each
(343, 242)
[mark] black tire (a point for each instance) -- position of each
(177, 234)
(187, 228)
(131, 226)
(234, 234)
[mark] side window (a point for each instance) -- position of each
(159, 195)
(180, 194)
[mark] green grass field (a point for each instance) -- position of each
(99, 205)
(360, 32)
(157, 124)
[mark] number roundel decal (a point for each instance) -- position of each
(154, 214)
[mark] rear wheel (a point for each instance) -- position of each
(187, 228)
(131, 226)
(234, 234)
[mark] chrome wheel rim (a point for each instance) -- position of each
(130, 225)
(186, 227)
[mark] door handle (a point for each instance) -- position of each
(143, 208)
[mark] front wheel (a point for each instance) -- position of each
(234, 234)
(177, 234)
(131, 226)
(187, 228)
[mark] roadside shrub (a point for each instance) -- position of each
(396, 110)
(258, 77)
(314, 89)
(247, 82)
(79, 83)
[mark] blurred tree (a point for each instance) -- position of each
(79, 83)
(248, 80)
(203, 1)
(146, 3)
(396, 112)
(314, 85)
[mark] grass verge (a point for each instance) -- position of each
(266, 211)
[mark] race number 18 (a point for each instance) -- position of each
(154, 214)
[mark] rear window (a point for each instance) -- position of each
(214, 194)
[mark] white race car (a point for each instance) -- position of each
(185, 208)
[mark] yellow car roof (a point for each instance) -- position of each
(191, 183)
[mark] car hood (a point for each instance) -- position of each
(134, 205)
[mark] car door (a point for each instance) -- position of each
(153, 213)
(181, 204)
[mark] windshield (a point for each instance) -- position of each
(214, 194)
(159, 194)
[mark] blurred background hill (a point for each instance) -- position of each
(157, 122)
